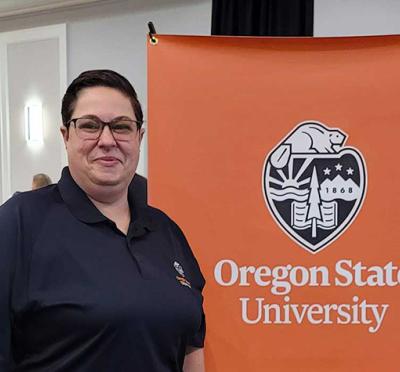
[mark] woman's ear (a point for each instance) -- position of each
(141, 134)
(65, 134)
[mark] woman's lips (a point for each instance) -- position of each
(108, 161)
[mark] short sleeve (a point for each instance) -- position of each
(197, 339)
(197, 281)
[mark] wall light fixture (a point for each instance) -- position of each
(34, 123)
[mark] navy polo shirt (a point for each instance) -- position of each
(76, 294)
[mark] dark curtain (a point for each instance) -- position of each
(263, 17)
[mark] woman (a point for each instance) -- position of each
(91, 280)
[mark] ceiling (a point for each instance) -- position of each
(11, 8)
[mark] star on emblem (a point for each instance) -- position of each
(350, 171)
(338, 167)
(327, 171)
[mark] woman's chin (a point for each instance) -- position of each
(106, 178)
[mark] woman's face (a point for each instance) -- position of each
(104, 162)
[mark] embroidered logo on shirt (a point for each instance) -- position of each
(179, 268)
(181, 277)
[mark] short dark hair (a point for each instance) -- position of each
(99, 78)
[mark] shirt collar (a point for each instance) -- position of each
(82, 207)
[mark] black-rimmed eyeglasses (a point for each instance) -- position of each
(91, 127)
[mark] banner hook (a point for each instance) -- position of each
(152, 32)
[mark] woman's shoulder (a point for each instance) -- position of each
(31, 203)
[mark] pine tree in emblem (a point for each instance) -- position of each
(314, 203)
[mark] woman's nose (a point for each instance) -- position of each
(106, 137)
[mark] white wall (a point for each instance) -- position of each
(38, 79)
(32, 70)
(356, 17)
(114, 36)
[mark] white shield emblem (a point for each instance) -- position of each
(313, 185)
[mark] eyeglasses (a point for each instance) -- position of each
(91, 127)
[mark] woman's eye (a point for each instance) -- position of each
(89, 125)
(122, 127)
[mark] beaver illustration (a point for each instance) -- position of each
(310, 137)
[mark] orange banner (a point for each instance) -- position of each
(278, 158)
